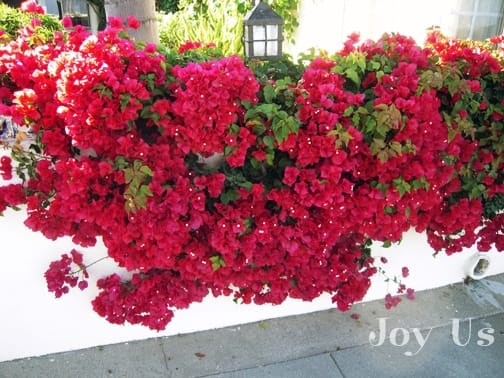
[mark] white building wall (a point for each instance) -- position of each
(325, 24)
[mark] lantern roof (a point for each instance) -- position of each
(262, 14)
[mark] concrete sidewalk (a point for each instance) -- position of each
(454, 331)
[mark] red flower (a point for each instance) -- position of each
(31, 6)
(133, 22)
(207, 101)
(391, 301)
(6, 167)
(463, 113)
(350, 43)
(405, 271)
(67, 22)
(116, 22)
(290, 175)
(410, 294)
(191, 45)
(259, 155)
(60, 277)
(215, 184)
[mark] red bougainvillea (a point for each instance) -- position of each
(307, 170)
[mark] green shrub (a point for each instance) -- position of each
(12, 20)
(167, 6)
(207, 21)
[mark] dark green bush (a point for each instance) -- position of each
(167, 6)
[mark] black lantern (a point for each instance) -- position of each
(262, 33)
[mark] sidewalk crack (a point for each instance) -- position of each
(165, 357)
(336, 363)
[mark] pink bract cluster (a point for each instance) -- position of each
(367, 144)
(60, 277)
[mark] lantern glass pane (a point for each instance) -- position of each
(259, 32)
(272, 31)
(259, 49)
(272, 48)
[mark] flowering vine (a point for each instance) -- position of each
(382, 137)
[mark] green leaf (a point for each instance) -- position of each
(228, 196)
(383, 156)
(383, 188)
(134, 185)
(352, 75)
(234, 129)
(104, 91)
(269, 141)
(373, 65)
(217, 262)
(146, 170)
(401, 186)
(251, 113)
(343, 137)
(146, 112)
(36, 148)
(267, 110)
(259, 129)
(120, 163)
(247, 185)
(381, 127)
(361, 62)
(348, 111)
(125, 100)
(281, 129)
(140, 202)
(228, 150)
(137, 164)
(128, 175)
(396, 147)
(145, 191)
(270, 157)
(263, 324)
(390, 210)
(453, 85)
(256, 164)
(420, 183)
(370, 125)
(377, 145)
(269, 93)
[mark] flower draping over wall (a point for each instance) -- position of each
(315, 163)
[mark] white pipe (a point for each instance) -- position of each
(478, 266)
